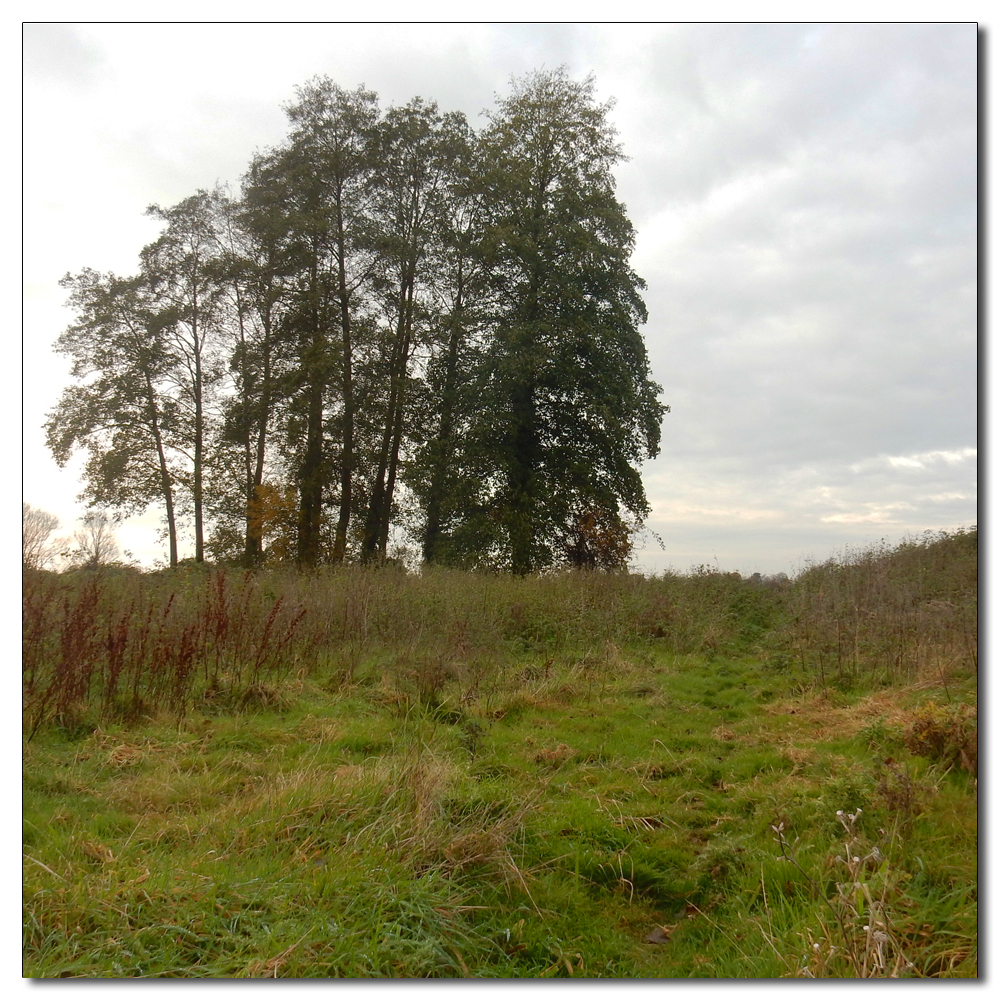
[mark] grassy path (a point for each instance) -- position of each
(607, 814)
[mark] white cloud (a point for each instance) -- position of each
(875, 513)
(923, 459)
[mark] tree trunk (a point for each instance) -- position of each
(524, 440)
(311, 480)
(254, 543)
(165, 485)
(199, 439)
(443, 441)
(379, 510)
(524, 460)
(347, 389)
(311, 470)
(397, 430)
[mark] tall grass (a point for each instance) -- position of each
(121, 645)
(886, 614)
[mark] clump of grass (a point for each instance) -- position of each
(901, 794)
(124, 646)
(885, 615)
(946, 734)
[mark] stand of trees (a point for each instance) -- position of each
(92, 545)
(396, 322)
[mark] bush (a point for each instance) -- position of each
(947, 734)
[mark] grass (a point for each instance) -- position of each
(368, 837)
(469, 777)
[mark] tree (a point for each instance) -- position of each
(96, 544)
(569, 409)
(330, 151)
(598, 540)
(443, 474)
(256, 268)
(182, 267)
(419, 157)
(122, 410)
(273, 514)
(36, 526)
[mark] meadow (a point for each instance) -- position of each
(368, 773)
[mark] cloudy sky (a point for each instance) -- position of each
(805, 201)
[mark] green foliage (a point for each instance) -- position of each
(567, 409)
(377, 306)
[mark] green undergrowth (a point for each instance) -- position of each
(611, 811)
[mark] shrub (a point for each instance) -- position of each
(947, 734)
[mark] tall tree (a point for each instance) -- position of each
(182, 268)
(443, 475)
(331, 141)
(256, 269)
(572, 409)
(419, 155)
(122, 410)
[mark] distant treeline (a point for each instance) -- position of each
(395, 322)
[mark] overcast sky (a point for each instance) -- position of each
(805, 202)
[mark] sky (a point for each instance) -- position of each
(804, 198)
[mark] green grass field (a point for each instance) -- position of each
(593, 777)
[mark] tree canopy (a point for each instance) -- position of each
(396, 322)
